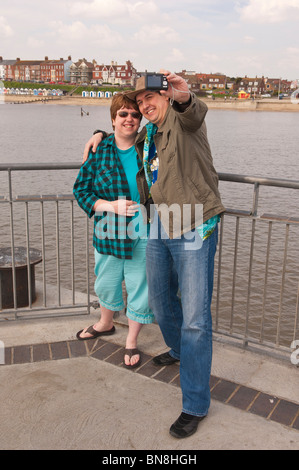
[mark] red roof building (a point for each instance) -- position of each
(26, 70)
(115, 74)
(55, 70)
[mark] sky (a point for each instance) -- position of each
(236, 38)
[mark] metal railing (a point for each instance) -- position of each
(262, 311)
(52, 295)
(279, 327)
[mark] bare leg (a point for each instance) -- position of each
(131, 342)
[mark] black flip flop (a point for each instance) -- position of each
(130, 353)
(94, 333)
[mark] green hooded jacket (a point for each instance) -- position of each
(187, 177)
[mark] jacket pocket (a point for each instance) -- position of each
(199, 190)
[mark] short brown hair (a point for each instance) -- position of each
(119, 101)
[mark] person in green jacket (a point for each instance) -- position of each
(179, 185)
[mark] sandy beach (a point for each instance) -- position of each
(64, 100)
(239, 105)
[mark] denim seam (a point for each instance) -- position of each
(169, 300)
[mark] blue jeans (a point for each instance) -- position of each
(185, 320)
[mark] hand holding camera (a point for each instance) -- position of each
(177, 87)
(169, 84)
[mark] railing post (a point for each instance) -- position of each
(12, 242)
(255, 199)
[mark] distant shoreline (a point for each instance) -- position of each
(253, 105)
(64, 100)
(239, 105)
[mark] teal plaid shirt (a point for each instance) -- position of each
(102, 177)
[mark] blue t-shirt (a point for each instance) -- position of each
(128, 160)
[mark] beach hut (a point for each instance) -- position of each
(101, 94)
(35, 92)
(93, 94)
(85, 94)
(108, 94)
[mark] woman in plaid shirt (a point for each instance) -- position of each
(106, 188)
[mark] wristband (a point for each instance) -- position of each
(187, 103)
(103, 132)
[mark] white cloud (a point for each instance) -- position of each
(249, 39)
(270, 11)
(114, 9)
(154, 35)
(73, 31)
(210, 57)
(98, 8)
(35, 43)
(141, 11)
(106, 37)
(288, 60)
(250, 65)
(78, 33)
(5, 30)
(176, 55)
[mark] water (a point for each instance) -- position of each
(252, 143)
(249, 143)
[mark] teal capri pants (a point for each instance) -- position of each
(111, 272)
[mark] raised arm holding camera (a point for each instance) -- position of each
(178, 172)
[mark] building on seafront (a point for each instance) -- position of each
(115, 74)
(56, 70)
(86, 72)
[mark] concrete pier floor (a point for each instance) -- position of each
(60, 393)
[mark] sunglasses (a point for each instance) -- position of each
(124, 114)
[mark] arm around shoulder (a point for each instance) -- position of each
(93, 143)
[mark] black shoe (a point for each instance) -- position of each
(164, 359)
(185, 425)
